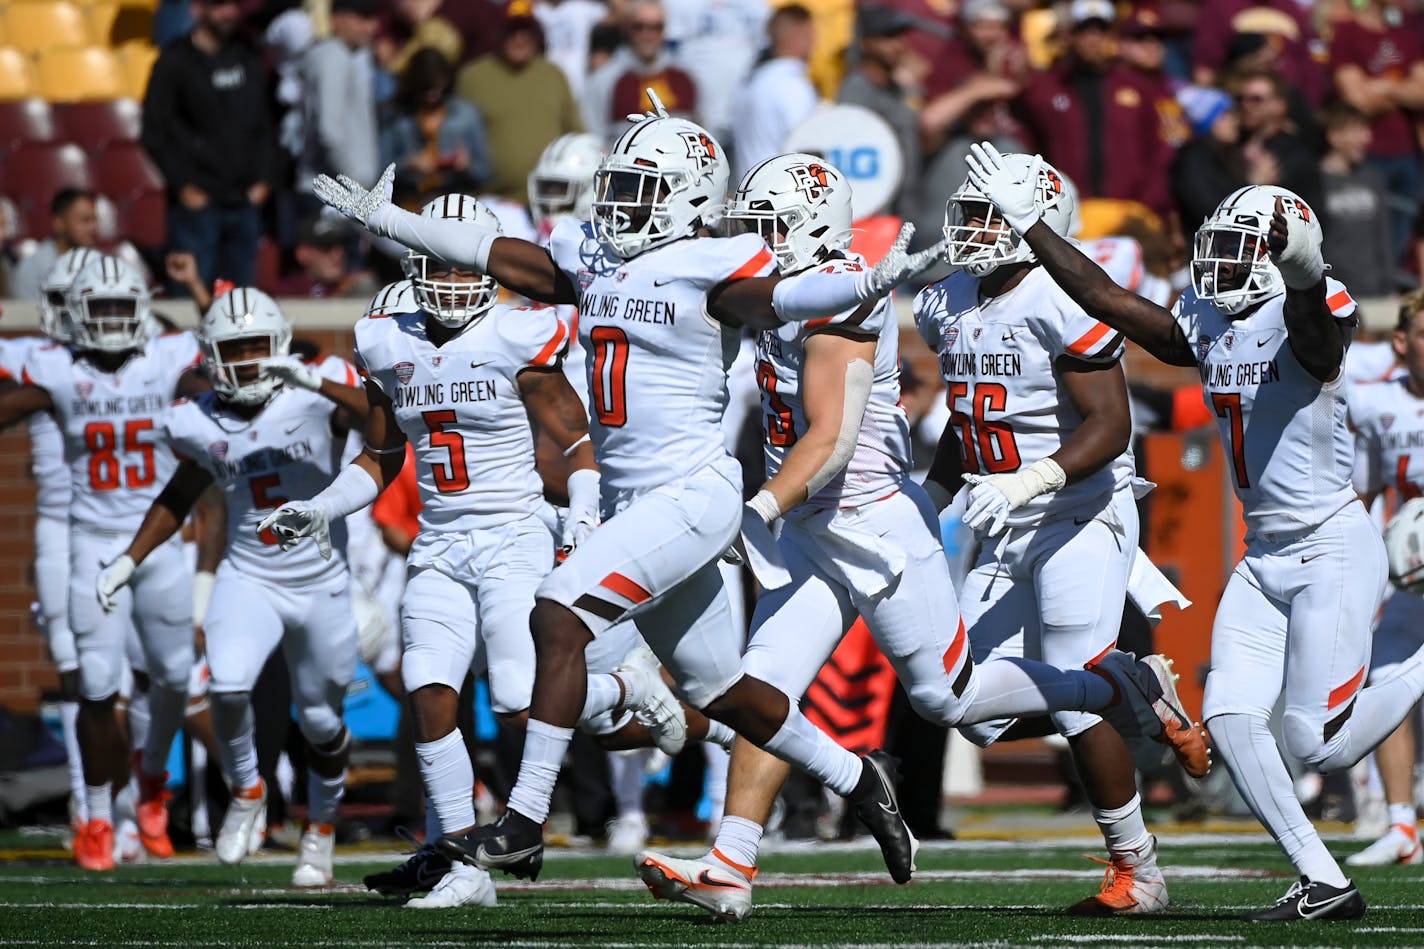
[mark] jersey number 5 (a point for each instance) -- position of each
(450, 478)
(105, 471)
(997, 450)
(264, 500)
(1228, 406)
(610, 375)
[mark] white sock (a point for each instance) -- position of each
(167, 707)
(324, 796)
(137, 714)
(604, 691)
(1123, 827)
(544, 747)
(717, 760)
(720, 734)
(449, 781)
(625, 772)
(738, 839)
(1402, 814)
(68, 714)
(232, 721)
(1254, 761)
(810, 749)
(1017, 688)
(100, 802)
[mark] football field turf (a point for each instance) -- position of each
(967, 893)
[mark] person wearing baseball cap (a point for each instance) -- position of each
(880, 51)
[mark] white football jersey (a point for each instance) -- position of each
(47, 465)
(1290, 451)
(286, 452)
(1121, 258)
(460, 407)
(882, 449)
(997, 357)
(657, 362)
(117, 460)
(1389, 438)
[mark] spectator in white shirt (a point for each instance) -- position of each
(778, 96)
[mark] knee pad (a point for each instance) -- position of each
(936, 704)
(100, 674)
(1306, 741)
(320, 725)
(329, 758)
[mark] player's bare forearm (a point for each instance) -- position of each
(554, 408)
(20, 402)
(210, 520)
(191, 383)
(528, 269)
(947, 466)
(1315, 336)
(1142, 321)
(351, 402)
(165, 516)
(1099, 393)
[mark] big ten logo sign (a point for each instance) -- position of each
(862, 146)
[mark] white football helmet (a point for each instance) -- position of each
(452, 303)
(108, 304)
(1404, 545)
(1231, 263)
(985, 247)
(562, 181)
(55, 320)
(242, 314)
(799, 204)
(663, 179)
(393, 298)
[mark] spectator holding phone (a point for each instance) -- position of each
(436, 139)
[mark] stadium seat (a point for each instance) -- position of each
(125, 171)
(107, 214)
(36, 171)
(76, 75)
(93, 125)
(143, 219)
(25, 120)
(17, 76)
(137, 61)
(36, 27)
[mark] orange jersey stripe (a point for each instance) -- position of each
(1089, 339)
(552, 346)
(754, 266)
(1344, 693)
(624, 587)
(955, 650)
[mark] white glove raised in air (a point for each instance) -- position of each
(993, 497)
(353, 199)
(898, 265)
(1295, 246)
(297, 519)
(1013, 196)
(292, 371)
(112, 579)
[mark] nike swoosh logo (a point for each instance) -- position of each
(892, 811)
(1307, 908)
(1308, 559)
(483, 856)
(1007, 337)
(706, 879)
(1261, 342)
(288, 431)
(663, 283)
(476, 365)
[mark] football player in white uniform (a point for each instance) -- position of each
(462, 378)
(858, 536)
(52, 495)
(1388, 418)
(107, 391)
(561, 184)
(660, 309)
(1268, 332)
(271, 430)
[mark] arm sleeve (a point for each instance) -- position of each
(462, 243)
(860, 321)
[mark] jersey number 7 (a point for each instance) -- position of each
(1228, 406)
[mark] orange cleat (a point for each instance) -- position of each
(153, 798)
(94, 846)
(1132, 884)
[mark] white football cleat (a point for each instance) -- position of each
(314, 864)
(1132, 885)
(627, 834)
(651, 701)
(711, 882)
(128, 848)
(464, 885)
(244, 826)
(1399, 844)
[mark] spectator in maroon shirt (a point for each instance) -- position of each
(983, 69)
(1378, 67)
(1093, 118)
(1266, 126)
(618, 87)
(1143, 47)
(1286, 25)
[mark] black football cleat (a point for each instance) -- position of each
(1308, 899)
(878, 806)
(514, 844)
(418, 874)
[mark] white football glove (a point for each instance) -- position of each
(899, 265)
(353, 199)
(292, 371)
(1013, 197)
(993, 497)
(1295, 248)
(297, 519)
(578, 524)
(755, 545)
(113, 578)
(582, 516)
(988, 507)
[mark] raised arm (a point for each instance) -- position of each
(352, 404)
(1313, 333)
(519, 265)
(1142, 321)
